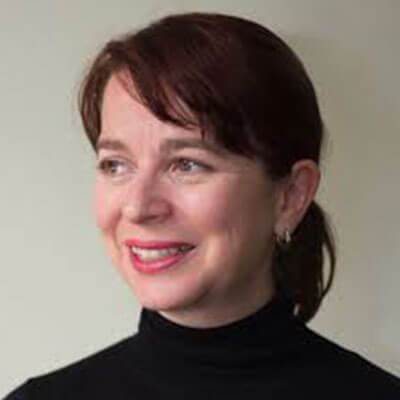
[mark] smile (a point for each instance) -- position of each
(155, 254)
(156, 261)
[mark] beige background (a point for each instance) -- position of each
(60, 297)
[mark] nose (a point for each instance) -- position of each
(145, 201)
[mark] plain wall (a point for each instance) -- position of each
(61, 298)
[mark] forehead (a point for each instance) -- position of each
(122, 105)
(121, 99)
(122, 114)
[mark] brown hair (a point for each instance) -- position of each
(244, 85)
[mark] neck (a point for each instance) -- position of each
(208, 314)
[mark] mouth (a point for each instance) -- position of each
(156, 261)
(154, 244)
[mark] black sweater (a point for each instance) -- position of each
(267, 355)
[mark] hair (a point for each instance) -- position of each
(241, 83)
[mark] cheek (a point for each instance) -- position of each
(206, 207)
(227, 204)
(238, 212)
(105, 206)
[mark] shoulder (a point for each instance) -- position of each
(20, 393)
(86, 376)
(345, 371)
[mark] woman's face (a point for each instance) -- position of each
(219, 202)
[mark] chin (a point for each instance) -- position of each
(169, 301)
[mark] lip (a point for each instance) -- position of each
(160, 266)
(154, 244)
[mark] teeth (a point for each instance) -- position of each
(149, 255)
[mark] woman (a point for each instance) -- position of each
(207, 133)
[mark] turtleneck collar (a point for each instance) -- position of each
(240, 344)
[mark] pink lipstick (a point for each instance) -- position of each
(159, 266)
(153, 244)
(163, 263)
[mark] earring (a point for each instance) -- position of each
(284, 242)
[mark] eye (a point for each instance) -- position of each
(186, 163)
(111, 166)
(108, 166)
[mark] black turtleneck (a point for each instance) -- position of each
(266, 355)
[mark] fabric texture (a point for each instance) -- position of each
(267, 355)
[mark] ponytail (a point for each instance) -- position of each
(298, 269)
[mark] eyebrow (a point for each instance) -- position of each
(167, 145)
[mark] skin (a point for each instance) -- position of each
(230, 212)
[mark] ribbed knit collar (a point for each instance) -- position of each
(243, 344)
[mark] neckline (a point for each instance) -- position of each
(246, 346)
(260, 323)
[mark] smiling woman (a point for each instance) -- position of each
(207, 133)
(152, 199)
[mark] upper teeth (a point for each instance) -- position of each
(153, 253)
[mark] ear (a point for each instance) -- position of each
(295, 195)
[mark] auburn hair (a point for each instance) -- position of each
(239, 82)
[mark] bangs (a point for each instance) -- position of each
(180, 77)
